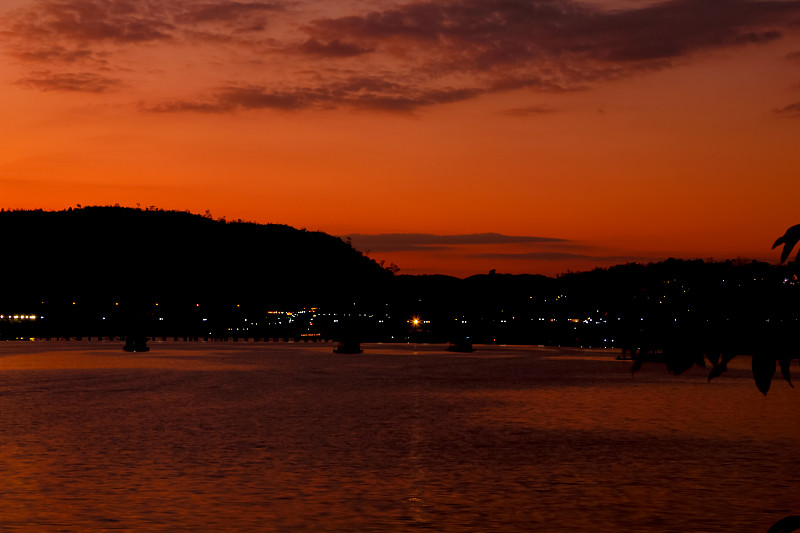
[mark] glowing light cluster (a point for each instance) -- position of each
(20, 317)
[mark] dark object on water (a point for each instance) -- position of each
(136, 344)
(788, 240)
(348, 346)
(461, 345)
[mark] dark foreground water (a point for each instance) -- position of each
(271, 437)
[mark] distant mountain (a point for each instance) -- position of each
(97, 256)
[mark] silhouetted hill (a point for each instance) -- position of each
(97, 257)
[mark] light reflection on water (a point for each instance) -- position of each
(271, 437)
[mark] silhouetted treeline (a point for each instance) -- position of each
(732, 305)
(104, 270)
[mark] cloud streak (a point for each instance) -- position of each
(790, 111)
(333, 49)
(88, 21)
(85, 82)
(71, 30)
(227, 11)
(394, 242)
(487, 247)
(528, 111)
(553, 256)
(358, 92)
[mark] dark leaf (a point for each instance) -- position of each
(784, 361)
(699, 359)
(722, 366)
(764, 366)
(789, 239)
(681, 359)
(727, 357)
(785, 525)
(679, 364)
(717, 371)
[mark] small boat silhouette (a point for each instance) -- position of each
(136, 344)
(461, 345)
(348, 346)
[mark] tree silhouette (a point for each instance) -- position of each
(763, 327)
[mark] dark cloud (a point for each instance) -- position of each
(130, 21)
(394, 242)
(552, 256)
(255, 97)
(227, 11)
(758, 38)
(411, 101)
(86, 21)
(357, 92)
(528, 111)
(54, 54)
(70, 30)
(564, 44)
(226, 21)
(677, 28)
(85, 82)
(531, 248)
(63, 33)
(231, 99)
(335, 48)
(791, 110)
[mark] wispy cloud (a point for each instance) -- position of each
(69, 30)
(428, 52)
(127, 22)
(237, 98)
(334, 48)
(54, 54)
(528, 111)
(227, 11)
(357, 92)
(394, 242)
(791, 110)
(490, 36)
(554, 256)
(86, 82)
(86, 21)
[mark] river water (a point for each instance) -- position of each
(284, 437)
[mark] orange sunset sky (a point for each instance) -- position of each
(445, 136)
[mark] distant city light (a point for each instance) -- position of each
(19, 317)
